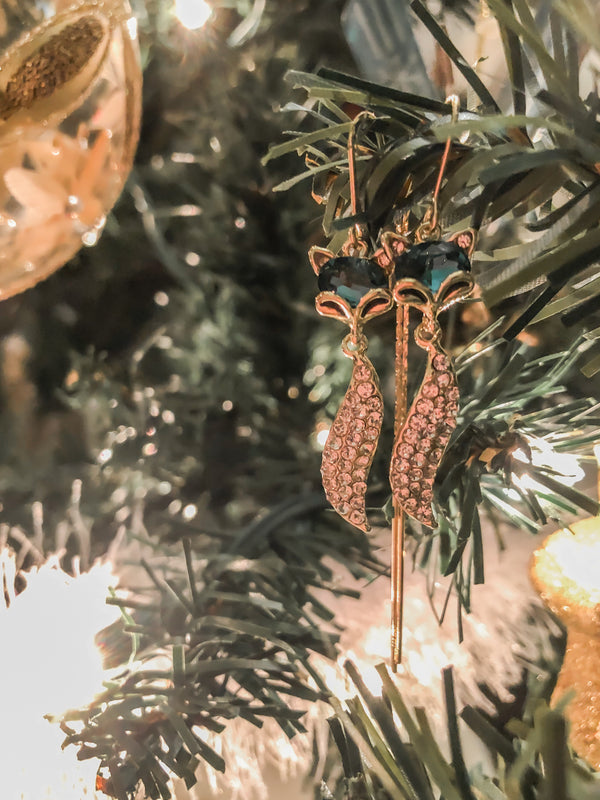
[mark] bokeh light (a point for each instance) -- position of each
(192, 14)
(50, 664)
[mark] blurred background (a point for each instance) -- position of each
(179, 360)
(172, 380)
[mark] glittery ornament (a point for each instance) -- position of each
(565, 573)
(70, 94)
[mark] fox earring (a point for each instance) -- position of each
(430, 276)
(354, 288)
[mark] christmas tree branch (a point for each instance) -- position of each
(532, 752)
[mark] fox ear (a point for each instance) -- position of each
(455, 289)
(329, 304)
(319, 256)
(374, 303)
(465, 240)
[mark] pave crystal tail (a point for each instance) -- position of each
(351, 444)
(421, 441)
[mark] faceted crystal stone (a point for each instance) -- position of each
(430, 390)
(365, 389)
(424, 406)
(420, 460)
(351, 278)
(362, 373)
(431, 263)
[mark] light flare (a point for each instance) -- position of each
(50, 664)
(192, 14)
(544, 455)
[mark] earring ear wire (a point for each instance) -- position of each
(429, 227)
(352, 172)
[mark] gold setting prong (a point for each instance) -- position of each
(394, 244)
(465, 239)
(373, 304)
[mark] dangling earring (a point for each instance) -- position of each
(422, 437)
(354, 288)
(430, 274)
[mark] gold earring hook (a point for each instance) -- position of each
(429, 225)
(352, 173)
(454, 101)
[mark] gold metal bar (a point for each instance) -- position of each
(397, 586)
(397, 555)
(353, 177)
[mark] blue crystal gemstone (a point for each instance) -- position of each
(431, 263)
(351, 277)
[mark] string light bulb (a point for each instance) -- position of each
(192, 14)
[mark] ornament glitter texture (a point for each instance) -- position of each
(70, 99)
(565, 573)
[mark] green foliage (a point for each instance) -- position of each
(222, 636)
(527, 175)
(531, 756)
(534, 165)
(389, 752)
(507, 412)
(164, 374)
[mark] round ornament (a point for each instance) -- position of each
(70, 100)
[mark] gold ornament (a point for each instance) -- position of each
(70, 99)
(566, 573)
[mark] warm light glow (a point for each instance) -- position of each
(578, 556)
(49, 664)
(544, 455)
(193, 14)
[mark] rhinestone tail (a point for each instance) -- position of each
(421, 441)
(351, 444)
